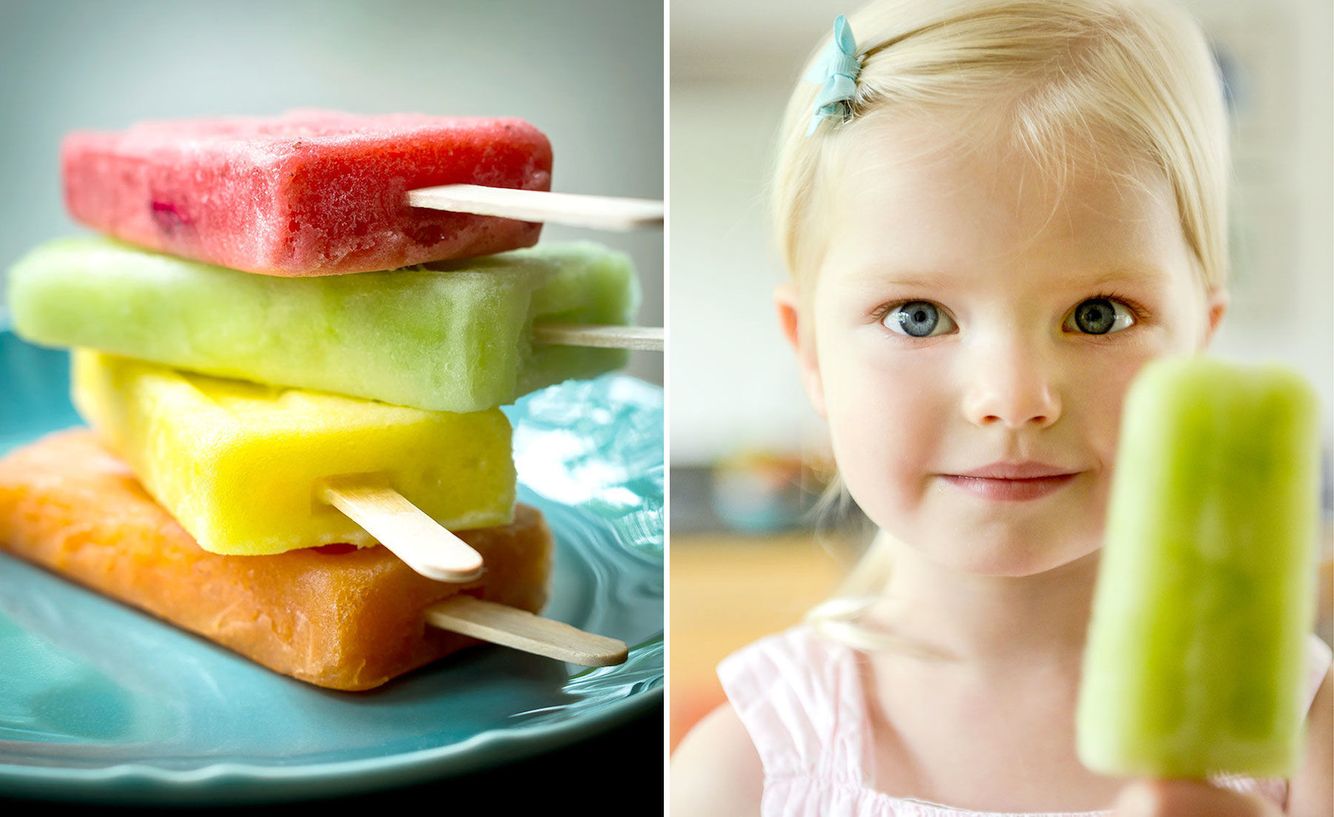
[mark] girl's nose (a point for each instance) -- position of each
(1008, 385)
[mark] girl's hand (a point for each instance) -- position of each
(1188, 798)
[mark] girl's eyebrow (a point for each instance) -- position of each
(1145, 274)
(894, 276)
(1140, 274)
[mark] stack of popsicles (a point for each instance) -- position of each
(296, 366)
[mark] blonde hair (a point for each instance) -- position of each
(1067, 77)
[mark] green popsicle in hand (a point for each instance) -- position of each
(1206, 590)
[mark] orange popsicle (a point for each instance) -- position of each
(334, 616)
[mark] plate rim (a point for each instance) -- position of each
(237, 783)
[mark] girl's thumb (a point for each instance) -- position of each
(1188, 798)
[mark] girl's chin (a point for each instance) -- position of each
(982, 555)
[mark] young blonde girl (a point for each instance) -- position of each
(994, 213)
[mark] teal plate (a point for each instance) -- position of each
(99, 702)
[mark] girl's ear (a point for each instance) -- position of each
(798, 332)
(1217, 302)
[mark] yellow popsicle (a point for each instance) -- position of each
(238, 464)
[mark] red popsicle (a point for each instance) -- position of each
(305, 193)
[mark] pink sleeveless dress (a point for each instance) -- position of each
(800, 698)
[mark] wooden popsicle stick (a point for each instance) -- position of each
(396, 523)
(642, 338)
(520, 629)
(601, 212)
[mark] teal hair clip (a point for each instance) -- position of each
(837, 73)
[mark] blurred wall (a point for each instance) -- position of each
(730, 83)
(587, 72)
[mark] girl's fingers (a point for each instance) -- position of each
(1188, 798)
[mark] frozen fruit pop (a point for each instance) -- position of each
(241, 465)
(1206, 590)
(337, 616)
(457, 338)
(306, 193)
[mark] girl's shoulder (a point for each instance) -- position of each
(720, 765)
(715, 769)
(1313, 786)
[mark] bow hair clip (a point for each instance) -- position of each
(837, 73)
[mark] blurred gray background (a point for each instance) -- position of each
(589, 73)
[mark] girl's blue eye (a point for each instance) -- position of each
(1100, 316)
(916, 319)
(1095, 316)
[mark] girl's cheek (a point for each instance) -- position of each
(888, 387)
(1097, 396)
(887, 415)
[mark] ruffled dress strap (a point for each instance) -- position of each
(800, 698)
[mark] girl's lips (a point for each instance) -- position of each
(1010, 490)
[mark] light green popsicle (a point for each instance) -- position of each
(1206, 590)
(453, 337)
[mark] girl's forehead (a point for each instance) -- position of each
(909, 195)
